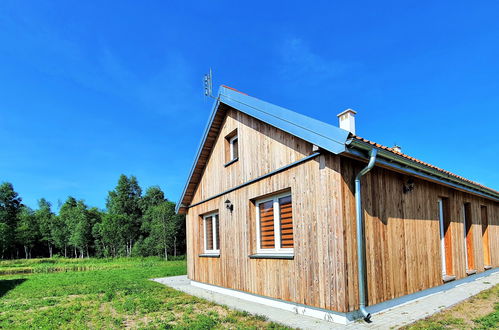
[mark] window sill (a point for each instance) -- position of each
(487, 267)
(231, 162)
(471, 271)
(448, 278)
(272, 256)
(209, 255)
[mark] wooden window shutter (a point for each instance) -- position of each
(445, 236)
(448, 237)
(485, 236)
(286, 212)
(209, 233)
(470, 258)
(267, 238)
(217, 232)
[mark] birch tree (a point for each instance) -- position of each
(45, 218)
(27, 232)
(125, 201)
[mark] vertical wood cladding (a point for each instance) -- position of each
(402, 233)
(312, 226)
(402, 229)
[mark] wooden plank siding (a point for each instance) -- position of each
(402, 229)
(402, 233)
(262, 149)
(316, 275)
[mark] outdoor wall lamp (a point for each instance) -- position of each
(229, 205)
(408, 186)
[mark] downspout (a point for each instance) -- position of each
(361, 245)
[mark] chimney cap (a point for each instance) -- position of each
(352, 111)
(347, 120)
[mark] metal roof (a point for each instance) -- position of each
(326, 136)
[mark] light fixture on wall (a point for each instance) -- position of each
(409, 185)
(229, 205)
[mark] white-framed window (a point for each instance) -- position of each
(234, 147)
(445, 237)
(274, 224)
(442, 234)
(211, 228)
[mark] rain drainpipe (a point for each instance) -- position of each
(361, 245)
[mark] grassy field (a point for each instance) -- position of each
(478, 312)
(106, 293)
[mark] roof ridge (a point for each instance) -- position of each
(328, 137)
(232, 88)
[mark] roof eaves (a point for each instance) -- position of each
(328, 137)
(408, 161)
(200, 148)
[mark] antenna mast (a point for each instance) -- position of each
(208, 84)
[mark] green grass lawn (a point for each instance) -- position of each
(478, 312)
(106, 293)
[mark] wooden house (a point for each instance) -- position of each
(292, 212)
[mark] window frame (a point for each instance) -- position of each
(277, 225)
(231, 147)
(446, 240)
(441, 221)
(216, 248)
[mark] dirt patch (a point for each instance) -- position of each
(474, 308)
(107, 308)
(461, 316)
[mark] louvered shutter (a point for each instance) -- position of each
(209, 232)
(217, 232)
(267, 239)
(286, 227)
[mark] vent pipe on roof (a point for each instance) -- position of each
(347, 120)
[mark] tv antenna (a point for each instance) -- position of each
(208, 84)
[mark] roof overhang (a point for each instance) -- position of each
(328, 137)
(399, 163)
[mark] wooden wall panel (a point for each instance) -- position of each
(402, 229)
(402, 233)
(316, 275)
(262, 149)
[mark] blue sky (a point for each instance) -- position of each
(93, 89)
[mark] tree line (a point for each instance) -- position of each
(133, 224)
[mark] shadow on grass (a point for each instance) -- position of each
(7, 285)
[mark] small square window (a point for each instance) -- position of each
(211, 233)
(274, 224)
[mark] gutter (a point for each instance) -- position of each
(247, 183)
(361, 244)
(408, 166)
